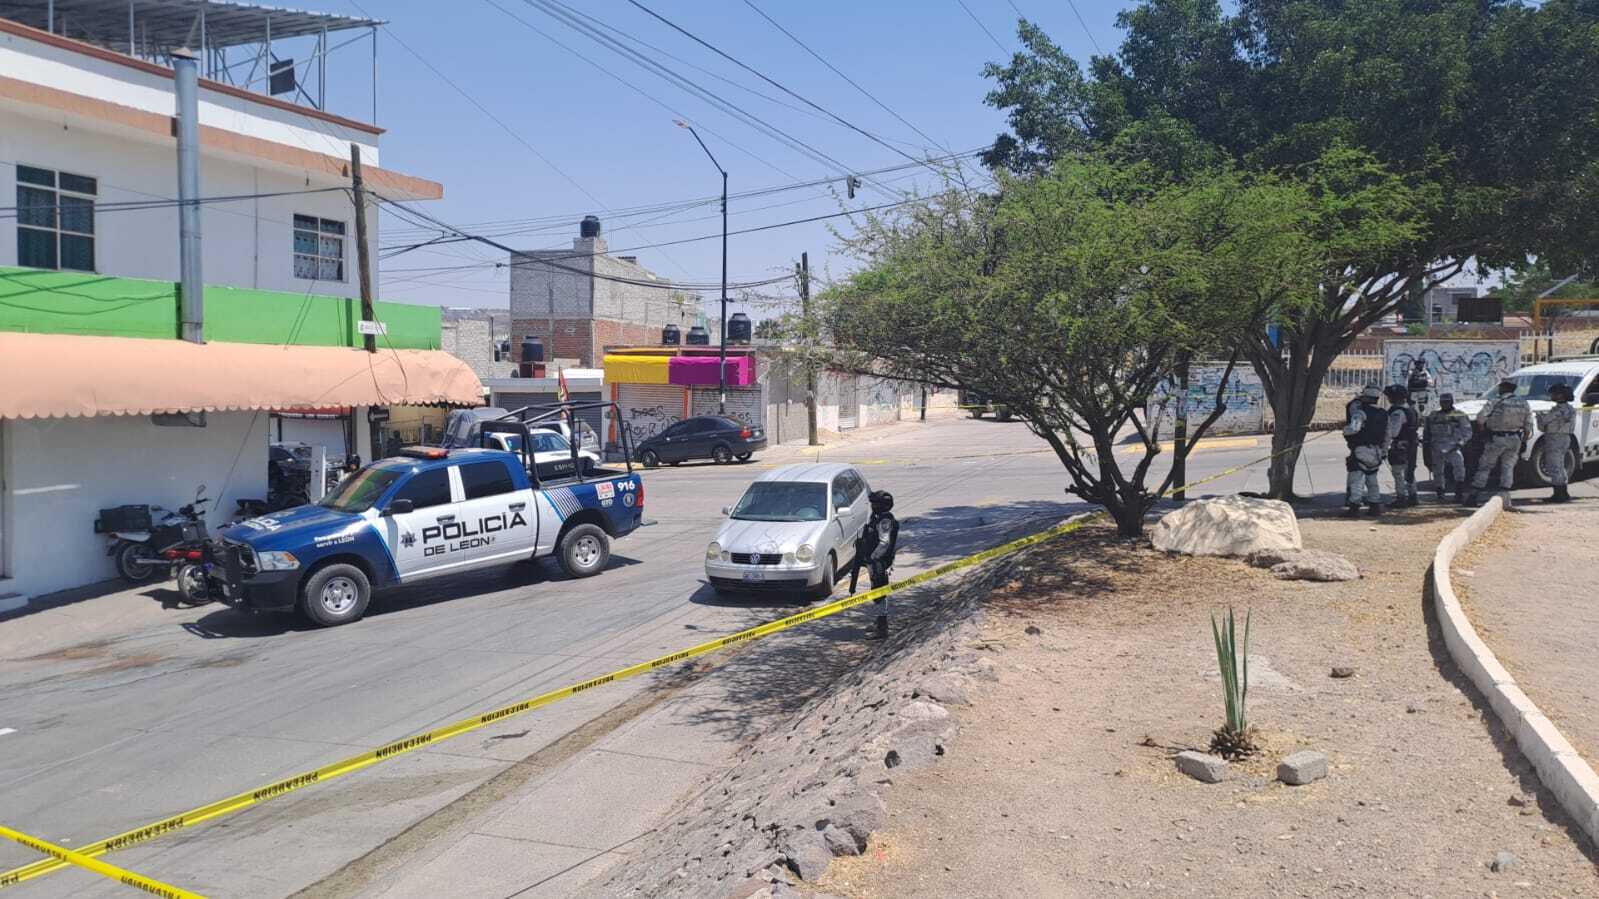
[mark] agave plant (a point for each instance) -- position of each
(1235, 738)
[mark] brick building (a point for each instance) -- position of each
(479, 337)
(582, 300)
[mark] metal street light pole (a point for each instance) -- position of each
(721, 367)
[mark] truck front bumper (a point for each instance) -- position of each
(267, 591)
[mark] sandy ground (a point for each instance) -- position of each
(1528, 587)
(1061, 783)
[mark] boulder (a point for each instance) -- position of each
(1316, 565)
(1228, 526)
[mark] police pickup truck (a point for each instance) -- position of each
(1581, 374)
(426, 513)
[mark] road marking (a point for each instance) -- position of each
(1219, 443)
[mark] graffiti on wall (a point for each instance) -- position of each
(1466, 368)
(646, 421)
(1243, 397)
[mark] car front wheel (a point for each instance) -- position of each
(824, 589)
(337, 594)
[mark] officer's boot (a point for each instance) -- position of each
(1562, 495)
(1374, 509)
(1510, 505)
(1351, 510)
(1460, 495)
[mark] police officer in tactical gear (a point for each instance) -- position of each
(1420, 384)
(1448, 430)
(1506, 419)
(1559, 427)
(1404, 431)
(875, 549)
(1366, 433)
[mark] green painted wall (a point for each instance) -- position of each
(49, 302)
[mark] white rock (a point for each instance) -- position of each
(1228, 526)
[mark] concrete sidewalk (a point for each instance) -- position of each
(1528, 588)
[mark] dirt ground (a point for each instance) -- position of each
(1523, 588)
(1061, 781)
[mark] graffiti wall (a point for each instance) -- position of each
(1243, 396)
(1466, 368)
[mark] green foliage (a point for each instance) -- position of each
(1429, 134)
(1233, 738)
(1525, 283)
(1070, 296)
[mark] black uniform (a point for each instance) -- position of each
(875, 550)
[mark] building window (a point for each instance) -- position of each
(55, 219)
(318, 248)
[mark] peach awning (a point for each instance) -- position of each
(68, 376)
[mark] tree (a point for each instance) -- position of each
(1460, 129)
(1068, 298)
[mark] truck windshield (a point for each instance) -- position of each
(359, 491)
(782, 501)
(1535, 386)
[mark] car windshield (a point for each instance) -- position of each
(1535, 386)
(359, 491)
(550, 442)
(782, 501)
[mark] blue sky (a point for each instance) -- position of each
(616, 149)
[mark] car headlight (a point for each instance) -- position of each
(276, 561)
(714, 551)
(805, 553)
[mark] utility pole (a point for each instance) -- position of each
(186, 77)
(1179, 462)
(363, 261)
(721, 368)
(804, 270)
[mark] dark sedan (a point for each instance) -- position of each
(702, 437)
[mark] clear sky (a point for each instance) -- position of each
(606, 146)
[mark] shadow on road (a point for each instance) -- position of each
(952, 532)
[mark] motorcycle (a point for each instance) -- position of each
(194, 564)
(139, 534)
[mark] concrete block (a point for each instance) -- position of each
(1303, 767)
(1202, 767)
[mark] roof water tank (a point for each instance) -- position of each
(671, 336)
(698, 336)
(532, 349)
(590, 226)
(738, 328)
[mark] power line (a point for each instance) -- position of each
(982, 26)
(1091, 40)
(757, 73)
(834, 69)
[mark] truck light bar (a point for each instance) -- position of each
(425, 452)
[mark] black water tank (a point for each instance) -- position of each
(738, 328)
(532, 349)
(590, 226)
(698, 336)
(671, 336)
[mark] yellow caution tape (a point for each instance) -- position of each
(67, 856)
(241, 801)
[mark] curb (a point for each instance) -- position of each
(1559, 767)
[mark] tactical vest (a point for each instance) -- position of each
(1506, 414)
(1407, 431)
(1373, 431)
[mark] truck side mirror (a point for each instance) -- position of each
(399, 507)
(726, 511)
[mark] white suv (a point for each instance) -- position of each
(1581, 374)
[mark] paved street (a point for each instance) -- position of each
(120, 710)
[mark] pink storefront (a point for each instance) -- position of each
(654, 387)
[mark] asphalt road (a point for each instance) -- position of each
(123, 709)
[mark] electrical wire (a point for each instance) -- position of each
(757, 73)
(1090, 34)
(981, 25)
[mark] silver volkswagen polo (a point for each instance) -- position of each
(794, 529)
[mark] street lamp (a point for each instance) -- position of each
(721, 365)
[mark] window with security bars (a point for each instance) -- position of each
(318, 248)
(55, 219)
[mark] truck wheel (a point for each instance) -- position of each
(722, 453)
(585, 550)
(650, 459)
(337, 594)
(1539, 475)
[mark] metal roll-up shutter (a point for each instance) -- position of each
(849, 403)
(743, 404)
(649, 408)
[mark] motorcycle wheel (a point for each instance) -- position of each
(137, 563)
(192, 584)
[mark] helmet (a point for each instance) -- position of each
(882, 501)
(1507, 386)
(1446, 399)
(1561, 393)
(1371, 393)
(1397, 393)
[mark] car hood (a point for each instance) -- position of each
(768, 536)
(289, 528)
